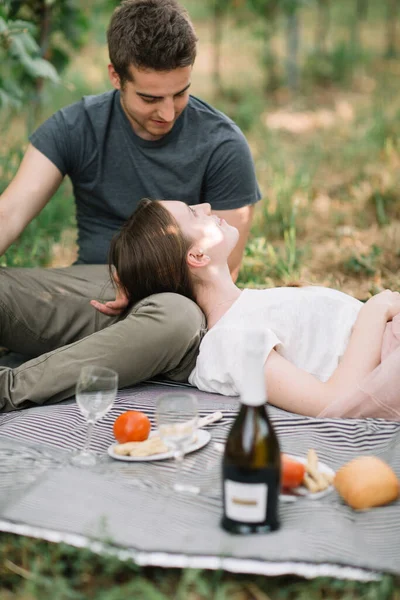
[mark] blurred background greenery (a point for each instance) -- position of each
(314, 85)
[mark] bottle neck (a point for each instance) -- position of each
(252, 381)
(253, 392)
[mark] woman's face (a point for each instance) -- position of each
(210, 234)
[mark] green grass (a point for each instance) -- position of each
(37, 570)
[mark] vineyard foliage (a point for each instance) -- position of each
(37, 39)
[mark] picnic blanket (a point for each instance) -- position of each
(129, 508)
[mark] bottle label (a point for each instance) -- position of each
(246, 502)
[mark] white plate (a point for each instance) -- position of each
(203, 437)
(301, 490)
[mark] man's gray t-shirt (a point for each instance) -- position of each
(204, 158)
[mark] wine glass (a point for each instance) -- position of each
(176, 417)
(95, 394)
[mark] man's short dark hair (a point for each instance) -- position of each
(150, 34)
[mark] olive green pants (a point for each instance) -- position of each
(45, 313)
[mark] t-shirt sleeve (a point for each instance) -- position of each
(219, 366)
(62, 139)
(230, 180)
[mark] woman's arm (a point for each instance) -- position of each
(293, 389)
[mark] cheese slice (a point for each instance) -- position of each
(153, 445)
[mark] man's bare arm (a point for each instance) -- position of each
(36, 181)
(241, 218)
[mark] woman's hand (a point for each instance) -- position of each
(387, 301)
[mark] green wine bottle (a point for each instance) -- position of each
(251, 467)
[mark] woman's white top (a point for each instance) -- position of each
(309, 326)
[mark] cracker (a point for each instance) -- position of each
(311, 484)
(153, 445)
(314, 480)
(124, 449)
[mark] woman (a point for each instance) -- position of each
(322, 349)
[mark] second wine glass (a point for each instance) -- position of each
(177, 417)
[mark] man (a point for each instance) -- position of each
(146, 138)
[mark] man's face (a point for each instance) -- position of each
(153, 100)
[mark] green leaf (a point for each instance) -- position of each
(3, 26)
(11, 87)
(19, 26)
(29, 43)
(34, 66)
(43, 68)
(17, 48)
(7, 100)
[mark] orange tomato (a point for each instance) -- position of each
(131, 426)
(292, 472)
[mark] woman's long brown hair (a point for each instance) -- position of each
(149, 254)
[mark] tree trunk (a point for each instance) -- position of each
(217, 43)
(44, 27)
(269, 59)
(293, 36)
(322, 26)
(360, 15)
(362, 9)
(391, 28)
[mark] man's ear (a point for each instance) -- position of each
(196, 258)
(114, 77)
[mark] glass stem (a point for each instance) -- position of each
(179, 456)
(88, 439)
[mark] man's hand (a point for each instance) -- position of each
(113, 308)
